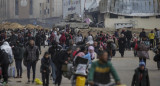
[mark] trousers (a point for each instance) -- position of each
(19, 67)
(45, 78)
(29, 66)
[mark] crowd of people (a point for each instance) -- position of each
(64, 45)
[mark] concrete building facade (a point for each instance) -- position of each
(30, 9)
(146, 15)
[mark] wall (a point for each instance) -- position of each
(150, 23)
(131, 7)
(56, 8)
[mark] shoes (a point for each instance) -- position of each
(28, 82)
(17, 77)
(33, 81)
(4, 83)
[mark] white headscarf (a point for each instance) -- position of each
(6, 47)
(93, 53)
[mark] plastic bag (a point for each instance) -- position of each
(11, 71)
(38, 81)
(81, 69)
(64, 68)
(80, 81)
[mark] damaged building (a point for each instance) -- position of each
(130, 13)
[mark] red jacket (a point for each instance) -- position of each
(62, 39)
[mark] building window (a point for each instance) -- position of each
(128, 17)
(40, 4)
(44, 12)
(113, 16)
(40, 12)
(145, 17)
(158, 16)
(16, 7)
(31, 7)
(48, 1)
(48, 11)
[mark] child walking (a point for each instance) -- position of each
(141, 77)
(45, 69)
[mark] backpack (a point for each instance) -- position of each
(6, 58)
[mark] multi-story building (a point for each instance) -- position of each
(76, 7)
(30, 9)
(4, 13)
(130, 13)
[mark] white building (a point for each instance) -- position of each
(76, 7)
(137, 13)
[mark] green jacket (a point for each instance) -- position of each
(100, 73)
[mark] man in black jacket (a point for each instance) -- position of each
(54, 50)
(141, 77)
(129, 37)
(18, 56)
(38, 41)
(31, 56)
(64, 56)
(4, 63)
(142, 34)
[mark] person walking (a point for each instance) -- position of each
(151, 38)
(4, 64)
(18, 56)
(122, 44)
(54, 50)
(157, 56)
(129, 37)
(143, 48)
(100, 71)
(45, 69)
(141, 77)
(142, 34)
(63, 59)
(31, 56)
(38, 41)
(157, 35)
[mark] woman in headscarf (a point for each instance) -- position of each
(7, 48)
(91, 56)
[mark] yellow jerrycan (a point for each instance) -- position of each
(80, 81)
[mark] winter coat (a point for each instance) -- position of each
(63, 39)
(143, 48)
(157, 34)
(18, 52)
(13, 38)
(31, 54)
(3, 57)
(57, 38)
(54, 50)
(129, 35)
(144, 79)
(38, 39)
(122, 43)
(62, 57)
(45, 65)
(142, 34)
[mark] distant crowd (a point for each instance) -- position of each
(24, 46)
